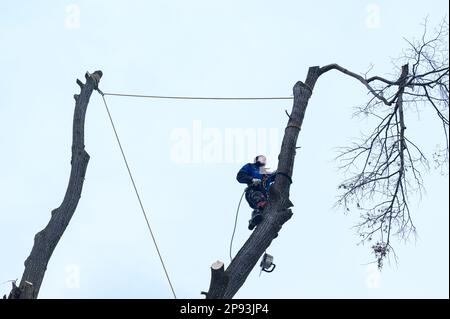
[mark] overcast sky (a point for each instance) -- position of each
(185, 154)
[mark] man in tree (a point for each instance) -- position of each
(258, 179)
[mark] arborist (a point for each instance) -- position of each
(258, 181)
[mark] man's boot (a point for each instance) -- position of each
(257, 217)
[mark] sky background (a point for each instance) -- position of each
(202, 48)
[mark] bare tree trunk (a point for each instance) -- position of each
(46, 240)
(225, 284)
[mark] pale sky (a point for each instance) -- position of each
(202, 48)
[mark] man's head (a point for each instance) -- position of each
(260, 160)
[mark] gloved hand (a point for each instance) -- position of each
(256, 181)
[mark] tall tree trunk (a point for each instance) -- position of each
(225, 283)
(46, 240)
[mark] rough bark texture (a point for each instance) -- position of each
(218, 281)
(278, 211)
(46, 240)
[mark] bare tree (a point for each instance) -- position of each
(385, 166)
(46, 240)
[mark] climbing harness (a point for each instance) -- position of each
(264, 182)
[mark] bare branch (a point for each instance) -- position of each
(386, 166)
(365, 82)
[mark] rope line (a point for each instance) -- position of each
(137, 195)
(199, 97)
(235, 224)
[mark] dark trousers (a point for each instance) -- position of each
(254, 197)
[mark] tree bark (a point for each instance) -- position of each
(278, 210)
(218, 281)
(46, 240)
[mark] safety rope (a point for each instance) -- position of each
(235, 224)
(199, 97)
(7, 281)
(137, 194)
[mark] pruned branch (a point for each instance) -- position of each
(219, 281)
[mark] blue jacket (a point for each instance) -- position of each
(250, 171)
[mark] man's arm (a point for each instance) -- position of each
(244, 175)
